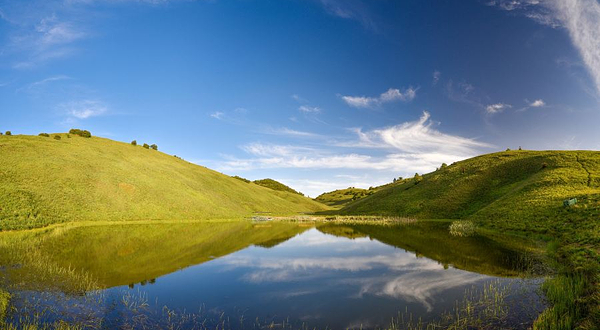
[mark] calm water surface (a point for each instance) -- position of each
(336, 276)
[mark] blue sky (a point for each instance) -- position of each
(319, 94)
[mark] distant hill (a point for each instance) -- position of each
(275, 185)
(512, 189)
(342, 197)
(44, 180)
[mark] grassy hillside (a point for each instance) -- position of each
(520, 192)
(342, 197)
(44, 180)
(513, 190)
(275, 185)
(506, 186)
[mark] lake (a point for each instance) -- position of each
(244, 275)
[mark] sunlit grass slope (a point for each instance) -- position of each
(44, 180)
(275, 185)
(342, 197)
(513, 189)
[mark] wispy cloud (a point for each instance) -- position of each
(581, 18)
(291, 132)
(411, 147)
(298, 98)
(390, 95)
(350, 9)
(539, 103)
(49, 38)
(464, 92)
(39, 83)
(217, 115)
(419, 137)
(497, 108)
(83, 109)
(309, 109)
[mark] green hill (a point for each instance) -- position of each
(275, 185)
(342, 197)
(514, 189)
(44, 180)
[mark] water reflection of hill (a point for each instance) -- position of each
(127, 254)
(432, 240)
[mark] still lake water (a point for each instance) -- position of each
(326, 275)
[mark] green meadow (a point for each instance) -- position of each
(97, 189)
(45, 181)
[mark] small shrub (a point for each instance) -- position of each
(241, 179)
(8, 133)
(82, 133)
(154, 147)
(44, 134)
(507, 149)
(146, 146)
(544, 165)
(444, 165)
(520, 148)
(134, 143)
(1, 133)
(418, 178)
(68, 136)
(57, 137)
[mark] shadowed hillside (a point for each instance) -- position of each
(275, 185)
(44, 180)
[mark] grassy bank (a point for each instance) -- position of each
(522, 193)
(45, 181)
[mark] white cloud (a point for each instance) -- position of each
(309, 109)
(497, 108)
(217, 115)
(537, 103)
(359, 101)
(418, 137)
(83, 109)
(411, 147)
(390, 95)
(291, 132)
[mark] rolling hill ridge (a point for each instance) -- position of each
(45, 180)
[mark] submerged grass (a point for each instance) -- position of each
(4, 301)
